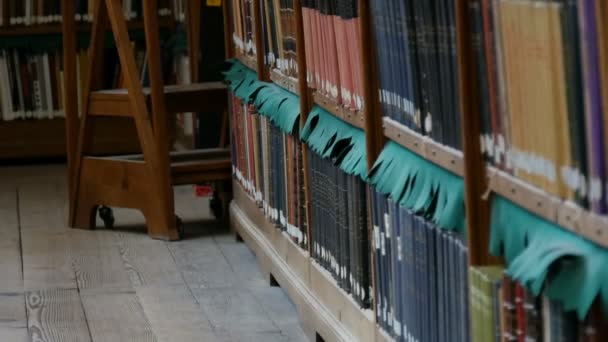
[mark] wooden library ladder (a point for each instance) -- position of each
(145, 181)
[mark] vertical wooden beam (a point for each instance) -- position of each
(305, 106)
(6, 15)
(259, 42)
(193, 27)
(70, 103)
(374, 137)
(477, 209)
(227, 13)
(82, 145)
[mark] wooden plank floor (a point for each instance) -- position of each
(59, 284)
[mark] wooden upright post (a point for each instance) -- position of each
(374, 136)
(70, 102)
(259, 42)
(305, 107)
(477, 209)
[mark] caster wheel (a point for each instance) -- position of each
(180, 226)
(107, 215)
(216, 207)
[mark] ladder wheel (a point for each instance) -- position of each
(179, 224)
(107, 216)
(215, 204)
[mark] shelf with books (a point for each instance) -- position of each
(566, 214)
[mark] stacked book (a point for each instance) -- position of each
(503, 310)
(417, 66)
(542, 70)
(333, 50)
(242, 31)
(421, 276)
(279, 26)
(268, 164)
(339, 217)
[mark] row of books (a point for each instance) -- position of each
(422, 291)
(242, 32)
(31, 85)
(502, 310)
(542, 70)
(339, 216)
(279, 26)
(36, 12)
(333, 50)
(268, 164)
(417, 66)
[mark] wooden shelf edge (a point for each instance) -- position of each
(55, 28)
(566, 214)
(323, 307)
(248, 61)
(285, 82)
(444, 156)
(353, 118)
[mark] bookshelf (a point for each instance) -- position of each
(482, 181)
(46, 138)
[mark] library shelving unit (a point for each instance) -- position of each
(46, 138)
(326, 310)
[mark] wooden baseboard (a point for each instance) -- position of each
(324, 308)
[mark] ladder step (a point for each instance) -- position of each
(196, 97)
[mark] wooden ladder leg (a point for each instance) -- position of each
(158, 207)
(83, 207)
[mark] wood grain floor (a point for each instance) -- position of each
(58, 284)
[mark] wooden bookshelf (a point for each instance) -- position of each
(46, 138)
(480, 180)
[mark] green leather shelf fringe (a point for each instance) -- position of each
(421, 186)
(280, 106)
(330, 137)
(541, 254)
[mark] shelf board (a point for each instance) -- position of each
(55, 28)
(285, 82)
(45, 138)
(353, 118)
(248, 61)
(444, 156)
(566, 214)
(324, 308)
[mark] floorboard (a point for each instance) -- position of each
(11, 264)
(13, 321)
(56, 316)
(175, 316)
(61, 284)
(46, 261)
(116, 317)
(97, 261)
